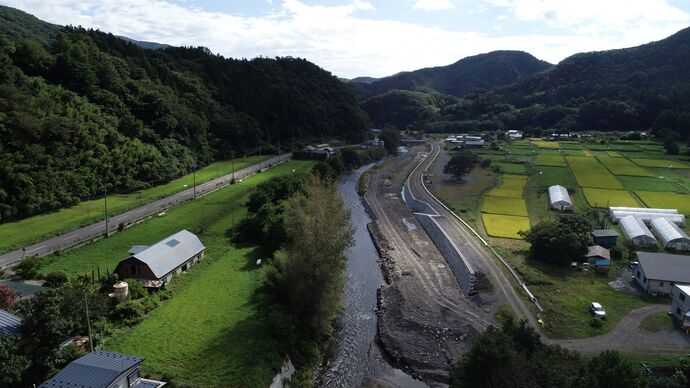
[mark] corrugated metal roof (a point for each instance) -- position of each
(643, 210)
(136, 249)
(9, 323)
(95, 370)
(605, 233)
(647, 217)
(684, 288)
(666, 267)
(598, 250)
(559, 194)
(668, 231)
(171, 252)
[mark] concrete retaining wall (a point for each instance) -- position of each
(415, 204)
(463, 271)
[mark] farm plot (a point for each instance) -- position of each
(614, 154)
(604, 198)
(508, 206)
(550, 160)
(546, 144)
(661, 163)
(639, 183)
(511, 168)
(512, 186)
(590, 173)
(623, 166)
(666, 200)
(498, 225)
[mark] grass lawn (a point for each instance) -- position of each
(464, 197)
(509, 206)
(24, 232)
(623, 166)
(550, 160)
(602, 198)
(590, 173)
(659, 322)
(661, 163)
(666, 200)
(512, 186)
(635, 183)
(210, 332)
(504, 226)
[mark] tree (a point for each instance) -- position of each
(609, 370)
(671, 146)
(7, 297)
(391, 139)
(561, 240)
(306, 278)
(460, 164)
(12, 361)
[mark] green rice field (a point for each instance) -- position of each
(546, 144)
(666, 200)
(512, 186)
(623, 166)
(635, 183)
(661, 163)
(590, 173)
(603, 198)
(549, 160)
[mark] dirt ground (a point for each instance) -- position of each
(425, 323)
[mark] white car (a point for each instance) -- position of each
(596, 310)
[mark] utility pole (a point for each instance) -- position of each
(232, 162)
(194, 179)
(88, 321)
(259, 157)
(105, 201)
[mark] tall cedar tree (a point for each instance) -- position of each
(306, 278)
(460, 164)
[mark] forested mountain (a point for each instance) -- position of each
(406, 109)
(468, 75)
(80, 109)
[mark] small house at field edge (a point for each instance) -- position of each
(657, 273)
(599, 257)
(156, 265)
(680, 305)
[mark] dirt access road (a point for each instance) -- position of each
(96, 230)
(425, 323)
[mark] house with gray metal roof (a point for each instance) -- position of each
(101, 369)
(9, 323)
(657, 273)
(155, 265)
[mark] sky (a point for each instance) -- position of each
(352, 38)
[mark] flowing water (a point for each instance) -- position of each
(352, 361)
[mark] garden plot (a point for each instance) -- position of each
(661, 163)
(638, 183)
(666, 200)
(550, 160)
(508, 206)
(512, 186)
(603, 198)
(590, 173)
(614, 154)
(498, 225)
(622, 166)
(546, 144)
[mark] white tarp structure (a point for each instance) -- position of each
(636, 232)
(559, 198)
(646, 215)
(671, 236)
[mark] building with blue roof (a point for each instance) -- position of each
(10, 323)
(156, 265)
(101, 369)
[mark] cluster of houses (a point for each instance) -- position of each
(464, 140)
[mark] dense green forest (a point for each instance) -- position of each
(640, 88)
(82, 109)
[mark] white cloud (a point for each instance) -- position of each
(433, 5)
(339, 38)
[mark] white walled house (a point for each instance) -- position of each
(657, 273)
(680, 305)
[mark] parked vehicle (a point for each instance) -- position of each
(597, 310)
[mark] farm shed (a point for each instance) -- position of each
(670, 235)
(637, 232)
(102, 369)
(680, 305)
(657, 273)
(605, 237)
(599, 257)
(9, 323)
(647, 215)
(559, 198)
(22, 290)
(156, 264)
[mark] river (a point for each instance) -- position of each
(356, 358)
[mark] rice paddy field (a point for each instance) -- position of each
(603, 198)
(661, 163)
(623, 166)
(512, 186)
(590, 173)
(666, 200)
(546, 144)
(504, 226)
(508, 206)
(549, 160)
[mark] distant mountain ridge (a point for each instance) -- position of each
(469, 75)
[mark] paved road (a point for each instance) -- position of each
(88, 233)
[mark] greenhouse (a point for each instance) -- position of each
(559, 198)
(647, 215)
(636, 232)
(670, 235)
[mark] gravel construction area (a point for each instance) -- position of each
(425, 323)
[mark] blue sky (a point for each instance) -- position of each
(377, 37)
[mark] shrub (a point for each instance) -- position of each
(28, 267)
(596, 323)
(486, 163)
(57, 278)
(136, 289)
(129, 312)
(7, 297)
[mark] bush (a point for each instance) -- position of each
(56, 279)
(28, 267)
(136, 289)
(129, 312)
(485, 163)
(596, 323)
